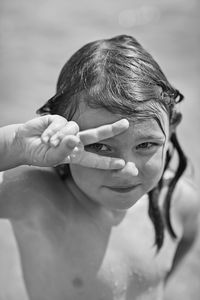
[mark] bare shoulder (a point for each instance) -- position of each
(20, 185)
(187, 198)
(186, 203)
(27, 177)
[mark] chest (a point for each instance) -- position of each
(131, 264)
(78, 261)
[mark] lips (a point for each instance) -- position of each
(123, 189)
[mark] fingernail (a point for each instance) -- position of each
(124, 122)
(118, 163)
(136, 171)
(45, 139)
(72, 143)
(54, 142)
(132, 166)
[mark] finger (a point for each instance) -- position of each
(92, 160)
(94, 135)
(54, 123)
(65, 148)
(130, 168)
(71, 128)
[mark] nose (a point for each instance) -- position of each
(129, 170)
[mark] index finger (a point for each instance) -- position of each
(103, 132)
(92, 160)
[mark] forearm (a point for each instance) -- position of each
(11, 154)
(183, 249)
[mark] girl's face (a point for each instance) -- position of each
(144, 143)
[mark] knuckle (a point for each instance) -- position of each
(114, 128)
(107, 163)
(59, 118)
(49, 131)
(74, 125)
(96, 164)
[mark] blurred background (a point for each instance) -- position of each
(38, 36)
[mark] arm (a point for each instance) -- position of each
(10, 154)
(188, 209)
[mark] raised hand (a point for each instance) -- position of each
(35, 149)
(52, 140)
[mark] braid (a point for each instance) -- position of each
(156, 217)
(181, 168)
(154, 212)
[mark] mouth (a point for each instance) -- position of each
(123, 189)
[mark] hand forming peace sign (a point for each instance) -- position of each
(52, 140)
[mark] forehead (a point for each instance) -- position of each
(90, 118)
(87, 118)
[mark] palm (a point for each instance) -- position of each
(42, 154)
(39, 153)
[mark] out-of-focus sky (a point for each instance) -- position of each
(38, 36)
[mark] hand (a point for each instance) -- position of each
(52, 140)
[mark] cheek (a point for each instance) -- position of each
(152, 169)
(86, 178)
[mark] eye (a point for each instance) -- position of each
(146, 146)
(98, 148)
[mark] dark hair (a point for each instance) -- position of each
(119, 75)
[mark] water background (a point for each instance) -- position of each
(38, 36)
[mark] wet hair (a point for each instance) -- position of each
(118, 74)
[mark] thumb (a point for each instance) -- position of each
(65, 148)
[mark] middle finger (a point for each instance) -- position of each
(103, 132)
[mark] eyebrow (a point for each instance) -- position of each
(138, 138)
(150, 136)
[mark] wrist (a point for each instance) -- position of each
(19, 145)
(11, 153)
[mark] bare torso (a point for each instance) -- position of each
(64, 252)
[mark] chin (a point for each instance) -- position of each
(120, 202)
